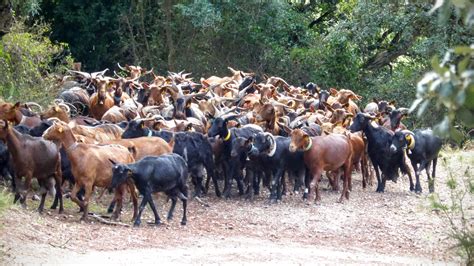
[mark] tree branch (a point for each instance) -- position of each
(321, 18)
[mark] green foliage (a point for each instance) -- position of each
(457, 210)
(376, 48)
(29, 62)
(449, 85)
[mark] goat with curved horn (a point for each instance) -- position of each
(34, 104)
(99, 73)
(66, 107)
(121, 67)
(81, 73)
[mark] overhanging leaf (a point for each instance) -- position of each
(456, 135)
(466, 117)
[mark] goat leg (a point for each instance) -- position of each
(153, 208)
(417, 176)
(431, 182)
(380, 186)
(141, 208)
(173, 205)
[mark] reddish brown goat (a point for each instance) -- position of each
(61, 111)
(91, 166)
(100, 133)
(33, 158)
(324, 153)
(101, 101)
(11, 112)
(345, 97)
(144, 146)
(267, 114)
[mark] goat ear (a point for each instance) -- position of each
(333, 91)
(132, 150)
(17, 105)
(392, 102)
(112, 161)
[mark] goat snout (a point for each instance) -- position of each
(393, 149)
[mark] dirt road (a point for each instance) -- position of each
(397, 227)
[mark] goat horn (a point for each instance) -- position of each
(406, 131)
(403, 110)
(121, 67)
(84, 74)
(148, 72)
(67, 109)
(34, 104)
(53, 119)
(101, 73)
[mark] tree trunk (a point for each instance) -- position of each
(168, 5)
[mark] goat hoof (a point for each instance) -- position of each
(136, 224)
(183, 222)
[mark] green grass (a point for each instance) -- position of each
(6, 200)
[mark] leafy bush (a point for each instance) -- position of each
(31, 64)
(457, 210)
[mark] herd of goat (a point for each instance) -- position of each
(149, 133)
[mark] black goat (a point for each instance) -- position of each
(193, 146)
(423, 148)
(379, 140)
(165, 173)
(275, 156)
(6, 169)
(219, 128)
(137, 128)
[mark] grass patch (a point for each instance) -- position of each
(6, 200)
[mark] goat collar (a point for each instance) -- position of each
(309, 145)
(227, 137)
(273, 147)
(411, 141)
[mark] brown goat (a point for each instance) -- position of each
(144, 146)
(345, 97)
(33, 158)
(101, 101)
(100, 133)
(11, 112)
(60, 111)
(91, 166)
(114, 115)
(267, 113)
(324, 153)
